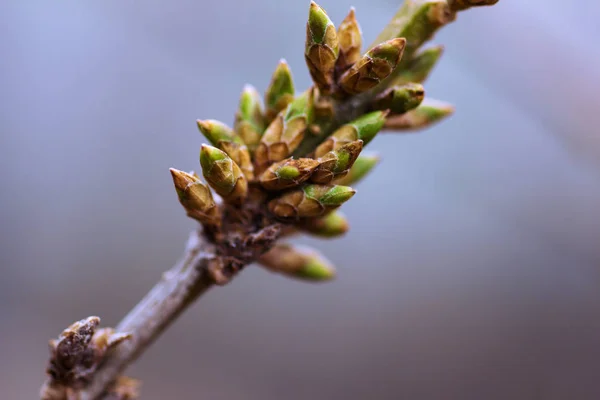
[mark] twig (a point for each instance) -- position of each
(179, 287)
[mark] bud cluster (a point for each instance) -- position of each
(289, 159)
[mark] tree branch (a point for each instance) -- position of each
(179, 287)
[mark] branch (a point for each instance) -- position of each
(179, 287)
(243, 227)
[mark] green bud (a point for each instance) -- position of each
(298, 262)
(322, 47)
(195, 197)
(337, 163)
(376, 65)
(418, 69)
(280, 92)
(362, 166)
(288, 173)
(216, 131)
(223, 174)
(428, 113)
(240, 155)
(459, 5)
(332, 225)
(363, 128)
(310, 201)
(286, 132)
(423, 19)
(350, 39)
(400, 99)
(249, 120)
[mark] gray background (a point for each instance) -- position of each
(472, 267)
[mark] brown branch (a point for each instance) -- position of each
(179, 287)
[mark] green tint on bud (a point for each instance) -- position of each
(286, 132)
(288, 173)
(332, 225)
(280, 92)
(362, 166)
(216, 131)
(223, 174)
(322, 47)
(363, 128)
(298, 262)
(418, 69)
(195, 197)
(428, 113)
(459, 5)
(376, 65)
(310, 201)
(240, 155)
(425, 18)
(400, 99)
(350, 39)
(337, 163)
(249, 121)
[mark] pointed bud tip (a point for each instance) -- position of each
(316, 269)
(181, 179)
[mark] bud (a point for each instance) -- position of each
(336, 163)
(400, 99)
(249, 121)
(350, 38)
(310, 201)
(280, 92)
(459, 5)
(223, 174)
(332, 225)
(216, 131)
(376, 65)
(362, 166)
(425, 18)
(363, 128)
(321, 49)
(428, 113)
(418, 69)
(288, 173)
(298, 262)
(195, 197)
(240, 155)
(286, 132)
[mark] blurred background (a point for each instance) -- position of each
(472, 270)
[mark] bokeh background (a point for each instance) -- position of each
(473, 267)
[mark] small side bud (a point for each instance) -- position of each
(419, 68)
(280, 92)
(337, 163)
(223, 174)
(363, 128)
(288, 173)
(249, 120)
(310, 201)
(286, 132)
(298, 262)
(362, 166)
(428, 113)
(376, 65)
(332, 225)
(321, 49)
(400, 99)
(350, 39)
(216, 131)
(195, 197)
